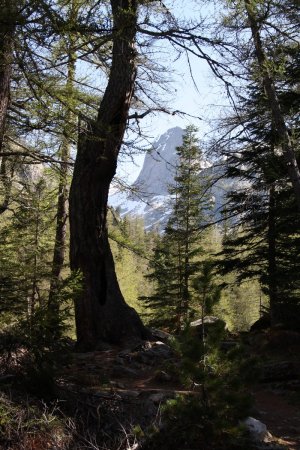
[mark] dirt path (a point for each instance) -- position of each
(140, 374)
(280, 415)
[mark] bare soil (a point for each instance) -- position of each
(282, 418)
(141, 375)
(278, 401)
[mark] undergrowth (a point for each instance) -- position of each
(210, 417)
(30, 424)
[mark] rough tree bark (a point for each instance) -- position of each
(7, 29)
(271, 94)
(101, 313)
(6, 177)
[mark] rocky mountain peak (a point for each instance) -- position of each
(150, 197)
(158, 169)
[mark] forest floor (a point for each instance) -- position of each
(139, 379)
(277, 396)
(125, 389)
(281, 415)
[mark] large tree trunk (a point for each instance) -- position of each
(271, 94)
(100, 310)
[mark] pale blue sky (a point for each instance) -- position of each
(194, 100)
(205, 102)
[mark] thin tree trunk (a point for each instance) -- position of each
(33, 296)
(62, 209)
(180, 308)
(203, 312)
(186, 293)
(277, 115)
(61, 226)
(100, 310)
(7, 30)
(6, 177)
(272, 263)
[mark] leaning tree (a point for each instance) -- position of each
(100, 310)
(101, 313)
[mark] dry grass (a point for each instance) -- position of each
(27, 424)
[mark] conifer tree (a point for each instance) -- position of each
(162, 304)
(261, 149)
(208, 292)
(267, 78)
(264, 240)
(176, 257)
(25, 249)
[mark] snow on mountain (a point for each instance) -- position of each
(149, 196)
(149, 193)
(153, 209)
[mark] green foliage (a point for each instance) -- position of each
(131, 246)
(30, 328)
(42, 342)
(25, 247)
(177, 253)
(162, 304)
(209, 293)
(209, 416)
(263, 243)
(45, 355)
(190, 425)
(241, 304)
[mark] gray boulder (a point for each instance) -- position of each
(212, 325)
(257, 430)
(160, 335)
